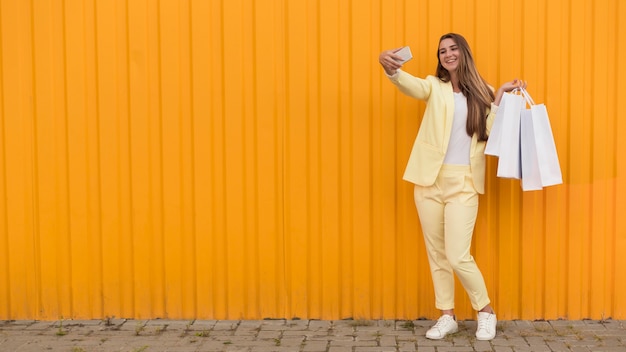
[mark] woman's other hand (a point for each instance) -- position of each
(507, 87)
(390, 61)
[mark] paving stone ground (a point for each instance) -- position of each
(304, 336)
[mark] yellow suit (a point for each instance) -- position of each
(431, 143)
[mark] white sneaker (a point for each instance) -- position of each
(486, 326)
(446, 324)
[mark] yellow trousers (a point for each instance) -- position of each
(447, 211)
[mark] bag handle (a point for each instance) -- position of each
(526, 96)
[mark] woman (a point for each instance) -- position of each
(447, 166)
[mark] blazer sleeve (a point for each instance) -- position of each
(412, 86)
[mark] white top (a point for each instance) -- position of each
(459, 146)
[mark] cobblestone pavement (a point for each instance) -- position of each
(304, 335)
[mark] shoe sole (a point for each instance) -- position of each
(439, 338)
(485, 339)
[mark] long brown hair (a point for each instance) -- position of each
(474, 87)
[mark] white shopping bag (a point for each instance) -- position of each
(495, 135)
(531, 178)
(504, 139)
(540, 161)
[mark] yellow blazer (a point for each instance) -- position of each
(431, 143)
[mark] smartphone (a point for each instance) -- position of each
(404, 53)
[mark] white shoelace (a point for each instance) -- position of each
(483, 324)
(442, 321)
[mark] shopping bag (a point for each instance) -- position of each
(531, 178)
(504, 139)
(495, 135)
(540, 162)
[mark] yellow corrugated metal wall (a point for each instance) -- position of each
(243, 159)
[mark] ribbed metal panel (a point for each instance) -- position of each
(243, 159)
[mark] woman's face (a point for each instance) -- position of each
(449, 54)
